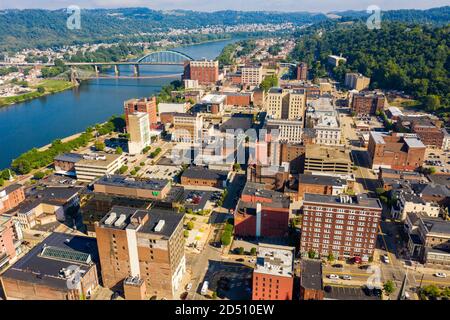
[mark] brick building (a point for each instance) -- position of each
(205, 71)
(62, 267)
(311, 285)
(130, 187)
(273, 276)
(242, 99)
(342, 225)
(200, 176)
(146, 105)
(7, 240)
(261, 213)
(144, 249)
(398, 151)
(11, 196)
(368, 102)
(321, 184)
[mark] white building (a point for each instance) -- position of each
(252, 75)
(96, 165)
(173, 107)
(139, 130)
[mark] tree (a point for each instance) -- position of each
(186, 233)
(190, 225)
(123, 169)
(389, 287)
(38, 175)
(236, 167)
(119, 150)
(240, 251)
(2, 182)
(253, 251)
(41, 89)
(330, 257)
(311, 254)
(226, 238)
(269, 82)
(432, 102)
(99, 145)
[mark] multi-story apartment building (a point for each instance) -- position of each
(93, 166)
(429, 132)
(252, 74)
(139, 130)
(331, 160)
(146, 105)
(302, 71)
(368, 102)
(286, 104)
(398, 151)
(284, 130)
(142, 251)
(11, 196)
(344, 226)
(204, 71)
(273, 276)
(356, 81)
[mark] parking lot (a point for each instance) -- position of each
(198, 200)
(438, 159)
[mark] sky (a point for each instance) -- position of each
(213, 5)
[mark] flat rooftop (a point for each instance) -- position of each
(320, 180)
(311, 274)
(275, 260)
(126, 182)
(361, 200)
(314, 151)
(258, 190)
(43, 264)
(203, 173)
(144, 221)
(98, 159)
(69, 157)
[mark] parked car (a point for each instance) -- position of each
(333, 277)
(346, 277)
(337, 265)
(440, 275)
(189, 286)
(385, 258)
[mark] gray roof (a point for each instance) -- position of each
(437, 226)
(45, 269)
(123, 181)
(348, 293)
(11, 188)
(320, 180)
(171, 220)
(431, 189)
(203, 173)
(414, 143)
(361, 200)
(311, 274)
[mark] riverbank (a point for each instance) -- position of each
(49, 86)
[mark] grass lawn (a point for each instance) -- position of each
(51, 86)
(405, 103)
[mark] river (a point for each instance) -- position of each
(37, 122)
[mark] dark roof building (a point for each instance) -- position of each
(61, 267)
(311, 285)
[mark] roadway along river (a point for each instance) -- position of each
(38, 122)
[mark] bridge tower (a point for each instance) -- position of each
(116, 70)
(96, 70)
(74, 76)
(136, 70)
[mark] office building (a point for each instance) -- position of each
(273, 276)
(200, 176)
(173, 107)
(139, 131)
(286, 104)
(187, 127)
(345, 226)
(398, 151)
(145, 105)
(252, 75)
(96, 165)
(142, 251)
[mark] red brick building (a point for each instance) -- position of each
(398, 151)
(11, 196)
(238, 98)
(273, 276)
(311, 285)
(429, 133)
(7, 248)
(302, 71)
(261, 213)
(146, 105)
(368, 102)
(342, 225)
(205, 71)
